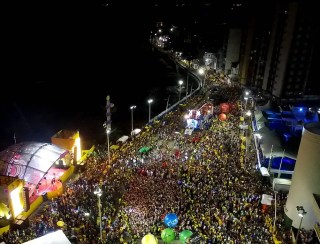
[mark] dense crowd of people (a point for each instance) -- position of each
(214, 193)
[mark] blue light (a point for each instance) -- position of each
(300, 109)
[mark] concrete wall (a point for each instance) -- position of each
(306, 178)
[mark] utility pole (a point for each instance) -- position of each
(275, 211)
(167, 103)
(279, 172)
(188, 70)
(270, 159)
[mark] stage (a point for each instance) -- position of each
(47, 184)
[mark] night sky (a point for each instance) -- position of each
(62, 59)
(55, 50)
(81, 38)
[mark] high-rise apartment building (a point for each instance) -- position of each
(279, 50)
(291, 54)
(254, 46)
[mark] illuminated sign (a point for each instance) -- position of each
(16, 197)
(16, 201)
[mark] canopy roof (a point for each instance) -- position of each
(144, 149)
(266, 199)
(30, 160)
(270, 139)
(136, 131)
(123, 139)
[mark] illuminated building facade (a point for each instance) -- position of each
(69, 140)
(290, 69)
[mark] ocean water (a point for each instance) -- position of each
(63, 59)
(48, 102)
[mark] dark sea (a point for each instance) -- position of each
(63, 58)
(50, 101)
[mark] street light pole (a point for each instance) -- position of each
(202, 72)
(245, 104)
(301, 218)
(107, 124)
(279, 171)
(180, 83)
(275, 211)
(188, 70)
(167, 103)
(98, 192)
(246, 131)
(301, 213)
(270, 159)
(99, 202)
(132, 108)
(108, 132)
(150, 101)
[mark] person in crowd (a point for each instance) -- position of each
(209, 183)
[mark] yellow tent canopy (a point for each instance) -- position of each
(114, 147)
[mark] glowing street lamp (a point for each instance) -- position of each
(180, 84)
(98, 192)
(132, 108)
(245, 105)
(301, 213)
(108, 131)
(202, 72)
(150, 101)
(248, 113)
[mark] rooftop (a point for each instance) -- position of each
(313, 127)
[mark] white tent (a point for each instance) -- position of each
(266, 199)
(281, 184)
(264, 171)
(57, 237)
(136, 131)
(123, 139)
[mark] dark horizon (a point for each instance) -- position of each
(86, 38)
(62, 56)
(55, 51)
